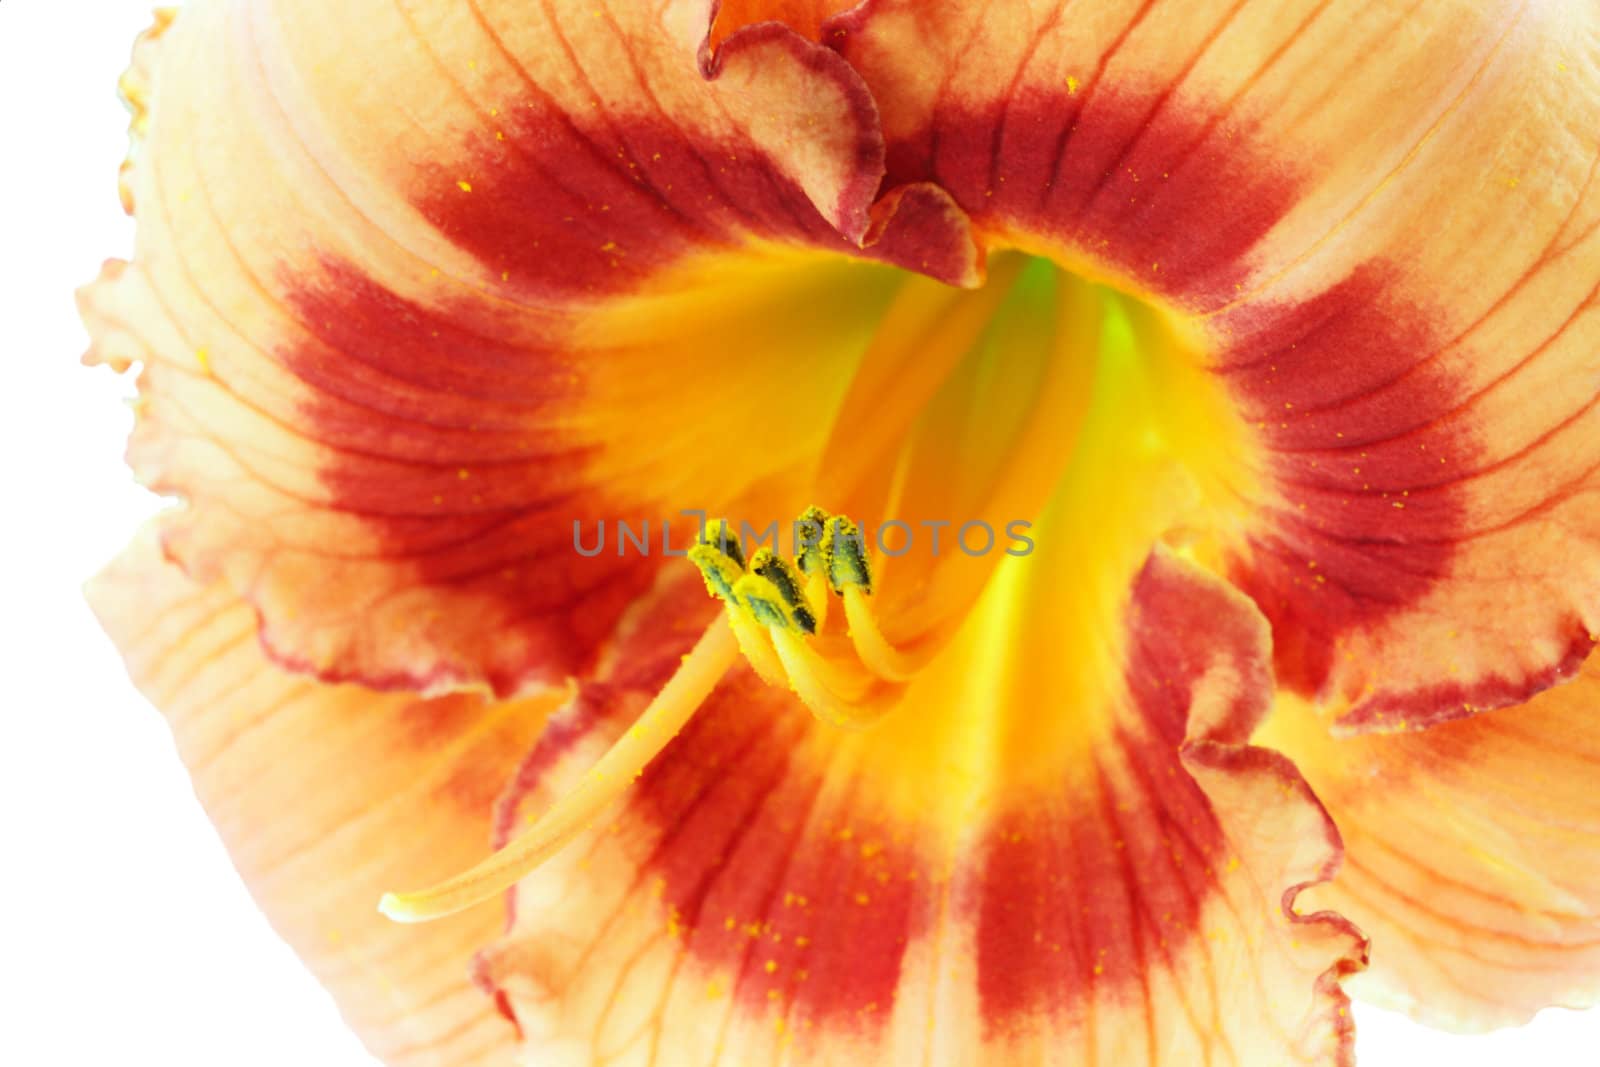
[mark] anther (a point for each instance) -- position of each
(774, 605)
(845, 550)
(767, 564)
(811, 549)
(720, 559)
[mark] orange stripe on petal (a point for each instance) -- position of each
(326, 795)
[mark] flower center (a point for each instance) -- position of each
(849, 675)
(1042, 397)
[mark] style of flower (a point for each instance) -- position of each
(1276, 321)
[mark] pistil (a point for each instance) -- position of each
(608, 779)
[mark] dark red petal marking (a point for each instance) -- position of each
(1373, 509)
(1106, 880)
(764, 840)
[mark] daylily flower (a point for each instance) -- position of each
(1274, 324)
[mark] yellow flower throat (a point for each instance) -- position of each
(1042, 397)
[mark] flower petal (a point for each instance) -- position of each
(1472, 854)
(324, 796)
(967, 883)
(1382, 225)
(419, 285)
(805, 17)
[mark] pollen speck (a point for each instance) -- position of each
(1072, 86)
(464, 186)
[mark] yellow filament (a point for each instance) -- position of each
(678, 700)
(814, 679)
(835, 668)
(923, 337)
(756, 644)
(881, 658)
(817, 598)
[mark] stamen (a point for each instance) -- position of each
(678, 700)
(763, 599)
(809, 549)
(777, 608)
(845, 551)
(884, 659)
(812, 559)
(755, 641)
(720, 557)
(814, 679)
(817, 597)
(786, 581)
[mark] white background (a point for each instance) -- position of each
(125, 936)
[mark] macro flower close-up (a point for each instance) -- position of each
(818, 532)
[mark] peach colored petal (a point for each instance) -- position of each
(1472, 854)
(323, 795)
(1382, 225)
(417, 285)
(135, 88)
(778, 891)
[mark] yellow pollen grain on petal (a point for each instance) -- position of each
(464, 186)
